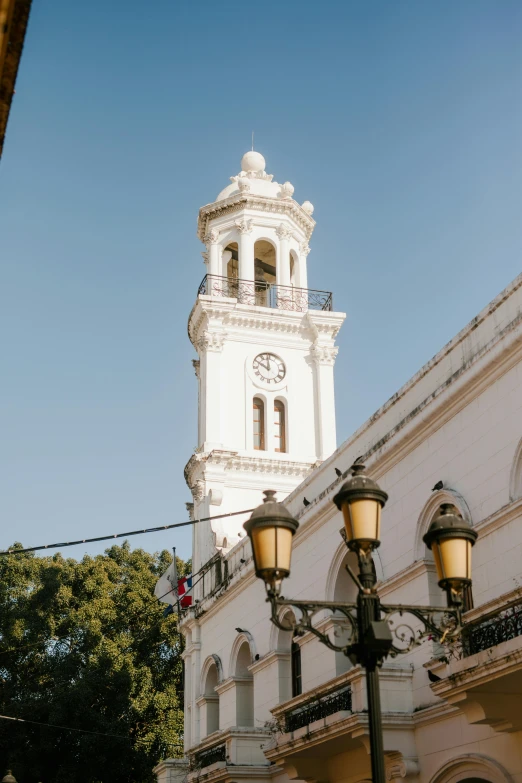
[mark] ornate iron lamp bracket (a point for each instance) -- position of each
(441, 623)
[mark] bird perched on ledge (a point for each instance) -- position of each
(438, 485)
(306, 502)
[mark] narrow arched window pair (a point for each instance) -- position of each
(259, 425)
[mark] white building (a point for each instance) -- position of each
(260, 705)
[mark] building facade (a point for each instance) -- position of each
(259, 703)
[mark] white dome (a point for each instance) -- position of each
(252, 161)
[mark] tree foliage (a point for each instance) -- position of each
(86, 645)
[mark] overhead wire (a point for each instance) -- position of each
(122, 535)
(84, 731)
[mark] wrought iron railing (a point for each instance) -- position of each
(207, 757)
(485, 633)
(318, 708)
(279, 297)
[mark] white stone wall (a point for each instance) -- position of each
(458, 420)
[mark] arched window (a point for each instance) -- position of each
(211, 700)
(244, 687)
(259, 424)
(279, 426)
(295, 658)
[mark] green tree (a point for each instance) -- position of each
(86, 645)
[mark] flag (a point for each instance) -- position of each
(184, 587)
(166, 586)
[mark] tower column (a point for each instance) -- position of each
(210, 346)
(246, 249)
(304, 249)
(213, 250)
(284, 233)
(324, 360)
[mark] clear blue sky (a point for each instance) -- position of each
(401, 121)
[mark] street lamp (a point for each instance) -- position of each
(373, 632)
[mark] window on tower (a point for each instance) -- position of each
(279, 426)
(259, 424)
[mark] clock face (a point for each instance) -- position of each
(269, 368)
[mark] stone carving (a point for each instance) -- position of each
(304, 248)
(240, 201)
(243, 184)
(324, 354)
(215, 497)
(205, 258)
(244, 226)
(190, 509)
(211, 341)
(284, 231)
(212, 237)
(287, 190)
(198, 491)
(196, 364)
(401, 768)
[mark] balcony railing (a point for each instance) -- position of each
(207, 757)
(262, 294)
(485, 633)
(318, 708)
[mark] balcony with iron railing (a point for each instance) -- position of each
(483, 676)
(264, 294)
(334, 715)
(493, 629)
(237, 746)
(318, 708)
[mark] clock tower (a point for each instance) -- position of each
(266, 354)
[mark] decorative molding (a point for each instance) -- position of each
(304, 248)
(205, 256)
(244, 226)
(215, 497)
(472, 766)
(241, 201)
(398, 767)
(324, 354)
(198, 491)
(284, 231)
(243, 184)
(273, 656)
(211, 341)
(232, 461)
(211, 237)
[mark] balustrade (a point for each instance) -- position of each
(263, 294)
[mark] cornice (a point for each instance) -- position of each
(231, 682)
(434, 713)
(355, 724)
(267, 660)
(239, 202)
(498, 519)
(231, 461)
(218, 314)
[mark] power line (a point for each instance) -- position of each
(83, 731)
(122, 535)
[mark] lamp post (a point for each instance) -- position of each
(374, 633)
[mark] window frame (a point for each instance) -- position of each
(258, 404)
(279, 406)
